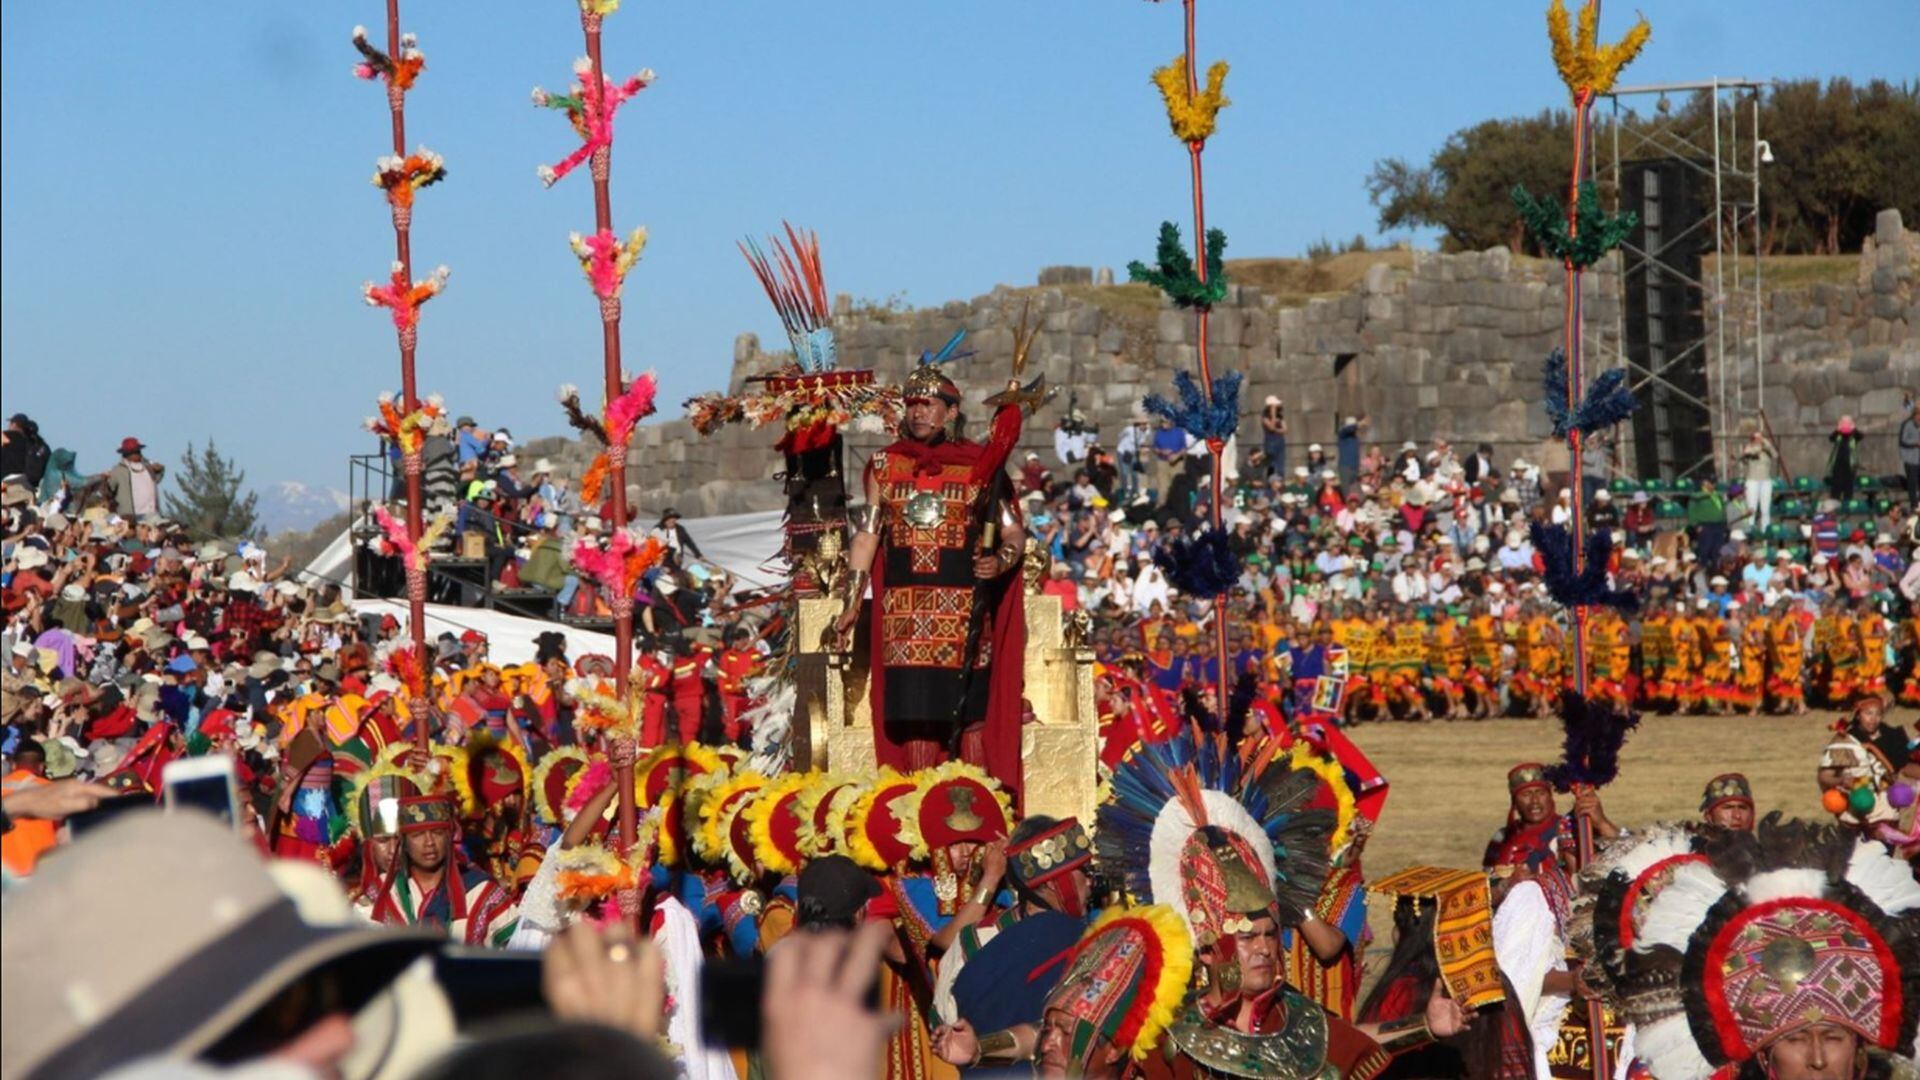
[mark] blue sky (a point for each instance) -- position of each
(187, 218)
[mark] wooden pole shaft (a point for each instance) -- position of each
(409, 388)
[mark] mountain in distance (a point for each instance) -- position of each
(296, 506)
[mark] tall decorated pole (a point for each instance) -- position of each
(1209, 411)
(405, 423)
(1576, 564)
(590, 105)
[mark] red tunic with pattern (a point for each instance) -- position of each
(932, 672)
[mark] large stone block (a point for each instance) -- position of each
(1885, 402)
(1887, 230)
(1066, 275)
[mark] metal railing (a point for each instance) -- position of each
(451, 577)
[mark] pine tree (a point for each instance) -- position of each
(209, 502)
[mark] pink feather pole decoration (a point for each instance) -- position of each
(621, 565)
(591, 114)
(625, 412)
(396, 534)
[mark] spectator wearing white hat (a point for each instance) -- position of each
(1347, 439)
(1273, 435)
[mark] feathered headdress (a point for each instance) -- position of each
(1617, 888)
(1790, 925)
(796, 283)
(774, 819)
(557, 767)
(929, 377)
(590, 113)
(1164, 794)
(1125, 980)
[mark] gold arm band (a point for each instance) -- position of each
(1405, 1034)
(865, 519)
(1000, 1046)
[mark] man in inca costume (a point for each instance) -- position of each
(941, 542)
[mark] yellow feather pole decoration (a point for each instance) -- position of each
(1583, 63)
(1192, 118)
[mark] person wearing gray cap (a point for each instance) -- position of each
(210, 961)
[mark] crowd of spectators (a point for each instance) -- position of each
(1431, 532)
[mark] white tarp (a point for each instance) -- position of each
(333, 566)
(509, 637)
(744, 545)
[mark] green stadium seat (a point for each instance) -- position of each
(1805, 483)
(1667, 508)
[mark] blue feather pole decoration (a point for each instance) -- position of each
(1202, 566)
(1608, 399)
(1593, 734)
(1208, 422)
(1586, 588)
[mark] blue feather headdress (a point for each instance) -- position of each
(1151, 813)
(948, 352)
(929, 377)
(1209, 421)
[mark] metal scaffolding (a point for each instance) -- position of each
(1729, 167)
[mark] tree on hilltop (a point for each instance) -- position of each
(209, 500)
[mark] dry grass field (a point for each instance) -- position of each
(1449, 789)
